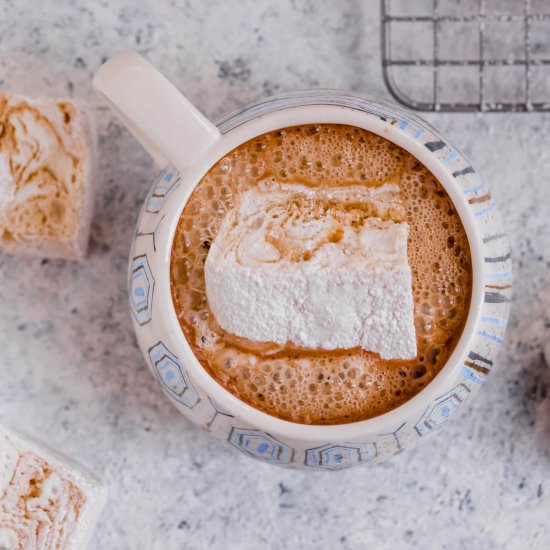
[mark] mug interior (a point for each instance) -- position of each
(322, 114)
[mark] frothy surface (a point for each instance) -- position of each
(326, 387)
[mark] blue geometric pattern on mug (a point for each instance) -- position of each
(471, 375)
(260, 445)
(168, 180)
(171, 376)
(141, 289)
(337, 456)
(441, 410)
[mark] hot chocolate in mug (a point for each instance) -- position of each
(186, 145)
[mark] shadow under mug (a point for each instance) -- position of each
(186, 145)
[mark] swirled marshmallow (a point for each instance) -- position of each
(46, 170)
(318, 268)
(46, 500)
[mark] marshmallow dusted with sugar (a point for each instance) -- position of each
(46, 172)
(46, 500)
(316, 267)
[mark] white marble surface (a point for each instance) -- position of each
(70, 370)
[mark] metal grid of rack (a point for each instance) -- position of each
(467, 55)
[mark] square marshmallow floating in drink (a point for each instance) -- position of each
(319, 268)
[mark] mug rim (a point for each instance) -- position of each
(320, 113)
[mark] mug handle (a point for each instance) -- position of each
(168, 126)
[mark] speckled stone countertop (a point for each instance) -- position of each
(70, 369)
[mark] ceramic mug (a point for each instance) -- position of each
(186, 145)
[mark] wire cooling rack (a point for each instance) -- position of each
(467, 55)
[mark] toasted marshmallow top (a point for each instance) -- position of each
(318, 268)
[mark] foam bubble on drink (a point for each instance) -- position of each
(315, 386)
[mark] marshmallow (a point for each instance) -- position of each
(318, 268)
(46, 500)
(46, 169)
